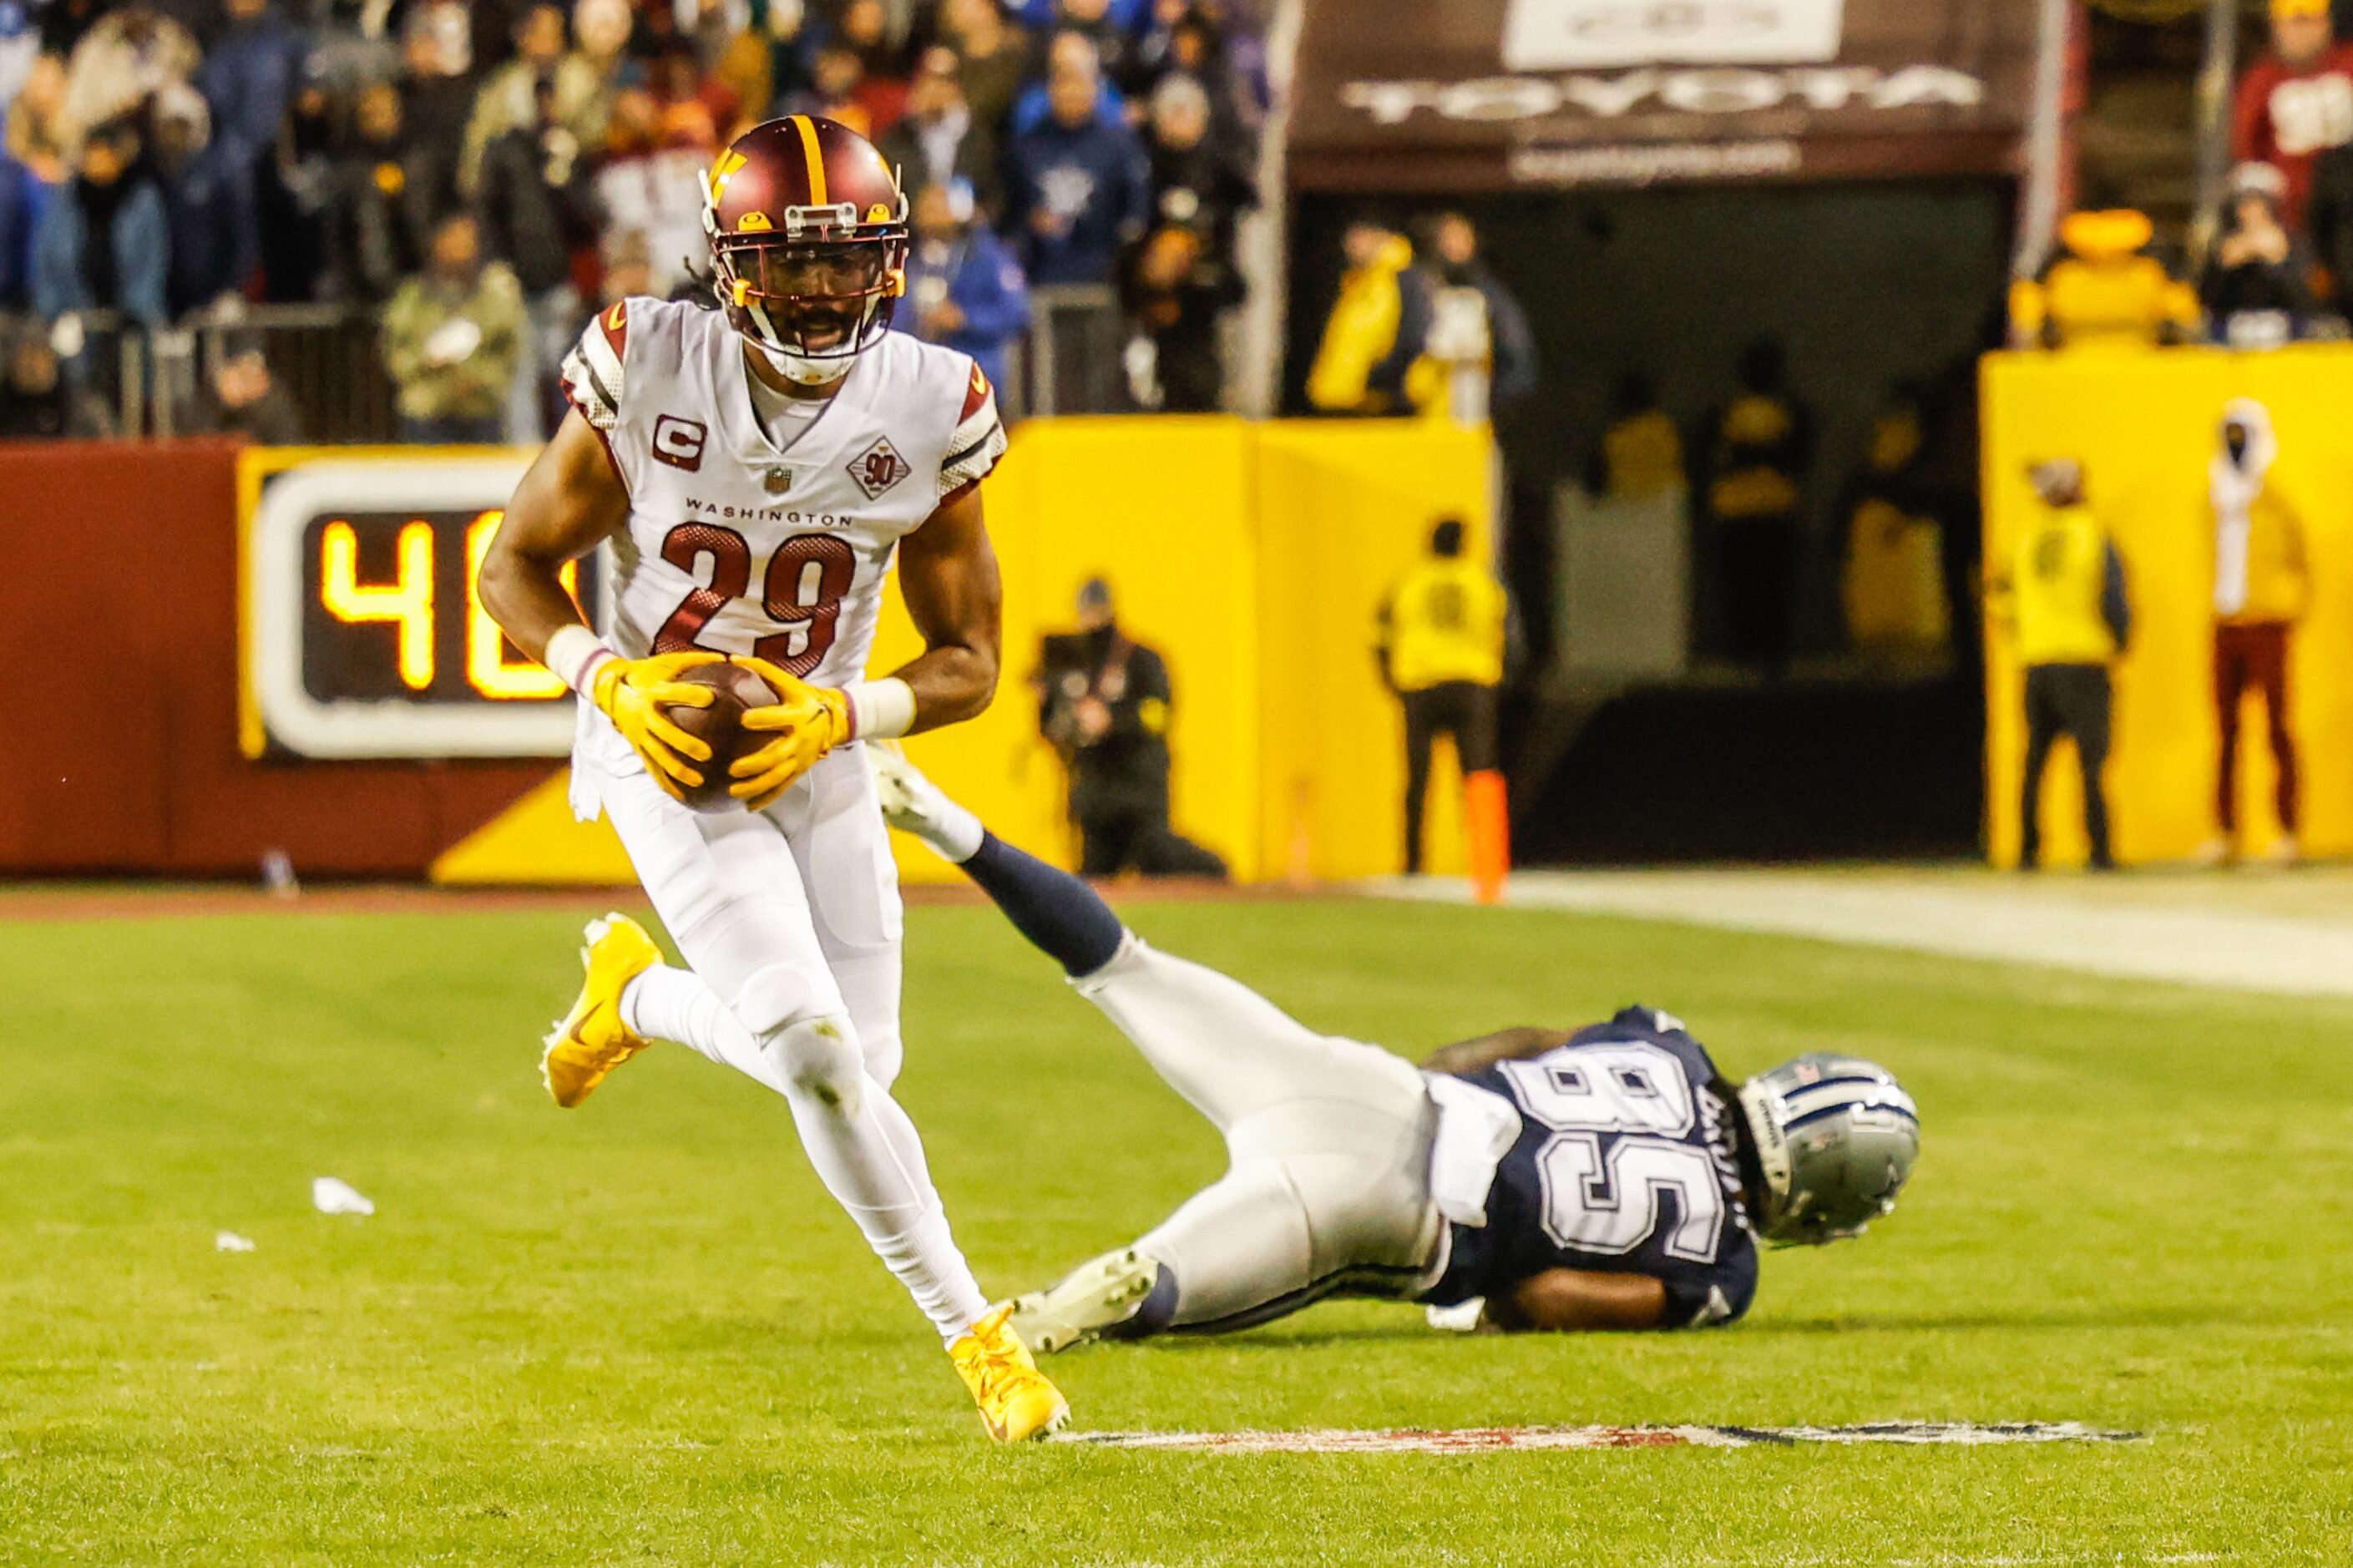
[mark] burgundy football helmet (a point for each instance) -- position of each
(808, 242)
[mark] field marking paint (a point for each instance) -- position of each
(1493, 1439)
(2228, 948)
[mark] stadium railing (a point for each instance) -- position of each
(329, 361)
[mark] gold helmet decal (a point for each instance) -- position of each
(724, 170)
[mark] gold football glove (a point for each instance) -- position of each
(808, 721)
(632, 693)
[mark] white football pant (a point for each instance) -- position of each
(1327, 1189)
(790, 921)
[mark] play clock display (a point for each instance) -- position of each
(364, 635)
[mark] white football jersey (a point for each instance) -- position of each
(739, 546)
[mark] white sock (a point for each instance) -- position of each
(871, 1159)
(667, 1003)
(955, 832)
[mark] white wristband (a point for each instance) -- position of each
(880, 710)
(572, 653)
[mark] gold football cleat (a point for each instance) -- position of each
(592, 1040)
(1016, 1402)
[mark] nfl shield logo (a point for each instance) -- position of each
(779, 481)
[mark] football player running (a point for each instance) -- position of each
(1607, 1177)
(755, 469)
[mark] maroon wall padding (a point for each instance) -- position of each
(118, 690)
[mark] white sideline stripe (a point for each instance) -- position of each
(2274, 953)
(1493, 1439)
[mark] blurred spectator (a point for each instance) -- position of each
(1641, 452)
(1375, 329)
(208, 202)
(2063, 594)
(21, 46)
(247, 78)
(649, 185)
(63, 23)
(629, 268)
(767, 62)
(1892, 586)
(294, 195)
(1478, 352)
(1152, 57)
(992, 58)
(1126, 14)
(692, 106)
(122, 60)
(105, 243)
(32, 167)
(602, 29)
(36, 120)
(39, 401)
(1078, 189)
(966, 288)
(837, 89)
(1757, 450)
(1176, 291)
(1068, 53)
(2263, 586)
(352, 47)
(1188, 39)
(509, 96)
(1103, 702)
(1442, 634)
(382, 209)
(537, 206)
(451, 338)
(865, 30)
(2295, 102)
(2255, 287)
(437, 100)
(244, 400)
(2328, 223)
(1115, 43)
(1197, 182)
(940, 139)
(2105, 293)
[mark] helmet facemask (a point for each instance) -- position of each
(813, 306)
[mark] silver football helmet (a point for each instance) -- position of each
(1836, 1136)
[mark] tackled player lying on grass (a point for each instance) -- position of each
(1607, 1177)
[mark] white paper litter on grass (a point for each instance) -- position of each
(332, 1194)
(229, 1241)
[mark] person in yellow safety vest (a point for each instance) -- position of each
(2261, 587)
(2063, 592)
(1376, 328)
(1442, 634)
(2105, 293)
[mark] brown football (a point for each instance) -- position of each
(721, 727)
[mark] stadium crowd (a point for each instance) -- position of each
(483, 175)
(2279, 266)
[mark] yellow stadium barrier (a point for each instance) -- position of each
(1252, 556)
(2144, 425)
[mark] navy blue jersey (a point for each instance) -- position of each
(1623, 1165)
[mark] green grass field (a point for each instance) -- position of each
(640, 1333)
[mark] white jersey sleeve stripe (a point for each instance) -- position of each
(975, 444)
(592, 375)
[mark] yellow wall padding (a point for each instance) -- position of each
(2144, 425)
(1254, 556)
